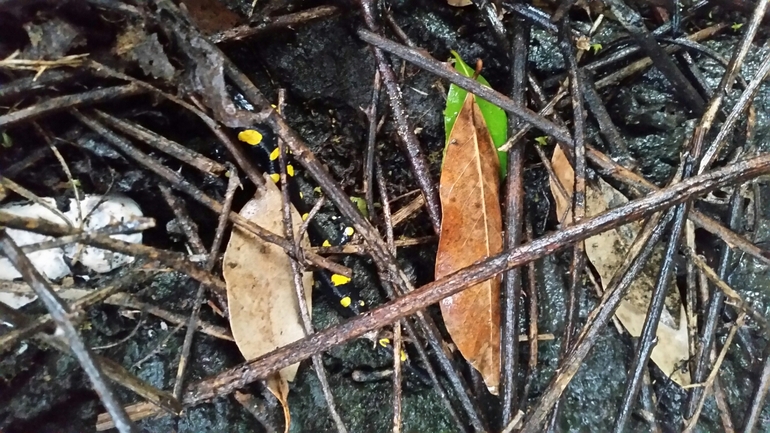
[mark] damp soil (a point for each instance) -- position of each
(327, 73)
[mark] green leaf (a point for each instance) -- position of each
(361, 205)
(6, 141)
(496, 118)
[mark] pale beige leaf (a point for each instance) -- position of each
(606, 252)
(459, 3)
(264, 313)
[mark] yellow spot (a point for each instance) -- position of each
(276, 177)
(250, 136)
(290, 170)
(305, 216)
(384, 342)
(274, 154)
(339, 280)
(301, 195)
(326, 243)
(362, 303)
(349, 231)
(345, 302)
(403, 356)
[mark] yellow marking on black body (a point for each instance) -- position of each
(290, 170)
(349, 231)
(305, 216)
(275, 177)
(384, 342)
(403, 356)
(274, 154)
(345, 302)
(250, 136)
(326, 243)
(361, 303)
(301, 195)
(339, 280)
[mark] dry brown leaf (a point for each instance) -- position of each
(280, 389)
(606, 252)
(264, 313)
(212, 16)
(471, 230)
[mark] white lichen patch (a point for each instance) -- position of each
(98, 212)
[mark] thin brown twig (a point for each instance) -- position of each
(577, 198)
(159, 346)
(170, 147)
(532, 315)
(129, 301)
(724, 409)
(753, 414)
(362, 250)
(514, 216)
(271, 24)
(397, 372)
(371, 139)
(299, 285)
(183, 220)
(62, 103)
(692, 422)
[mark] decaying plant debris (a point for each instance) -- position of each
(145, 99)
